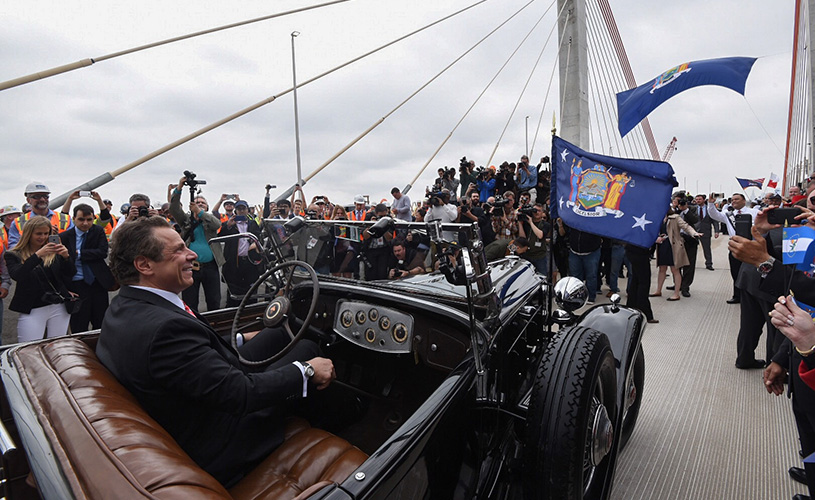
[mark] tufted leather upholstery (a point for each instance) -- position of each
(109, 447)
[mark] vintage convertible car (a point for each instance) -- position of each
(461, 383)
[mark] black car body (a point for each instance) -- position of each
(460, 383)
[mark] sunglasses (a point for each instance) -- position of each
(38, 196)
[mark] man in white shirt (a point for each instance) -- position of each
(728, 216)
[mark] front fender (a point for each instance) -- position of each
(623, 327)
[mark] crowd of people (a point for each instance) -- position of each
(62, 270)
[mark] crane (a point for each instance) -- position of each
(669, 150)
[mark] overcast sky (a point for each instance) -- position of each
(71, 128)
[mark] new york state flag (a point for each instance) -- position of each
(618, 198)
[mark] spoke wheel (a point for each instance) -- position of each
(278, 311)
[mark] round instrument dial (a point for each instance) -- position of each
(347, 319)
(373, 314)
(370, 335)
(361, 317)
(400, 333)
(385, 323)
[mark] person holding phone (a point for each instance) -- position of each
(41, 266)
(730, 214)
(241, 266)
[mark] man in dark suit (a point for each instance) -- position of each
(87, 246)
(688, 213)
(225, 415)
(706, 226)
(239, 269)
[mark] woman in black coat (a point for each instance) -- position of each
(41, 270)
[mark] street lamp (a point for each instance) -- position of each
(296, 118)
(527, 137)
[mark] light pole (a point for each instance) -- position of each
(527, 137)
(296, 118)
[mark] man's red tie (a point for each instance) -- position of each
(187, 308)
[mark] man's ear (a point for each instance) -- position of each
(143, 265)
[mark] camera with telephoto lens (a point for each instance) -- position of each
(463, 162)
(144, 212)
(436, 198)
(526, 211)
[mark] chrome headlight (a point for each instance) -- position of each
(571, 293)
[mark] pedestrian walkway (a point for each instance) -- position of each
(706, 430)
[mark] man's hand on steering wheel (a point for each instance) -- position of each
(323, 372)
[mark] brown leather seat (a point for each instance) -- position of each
(109, 447)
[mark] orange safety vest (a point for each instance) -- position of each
(59, 219)
(352, 215)
(5, 239)
(110, 225)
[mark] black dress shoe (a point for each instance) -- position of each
(750, 365)
(733, 301)
(800, 496)
(672, 287)
(709, 268)
(798, 474)
(685, 293)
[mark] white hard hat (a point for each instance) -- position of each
(37, 187)
(359, 199)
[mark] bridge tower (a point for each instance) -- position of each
(574, 73)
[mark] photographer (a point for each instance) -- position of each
(442, 210)
(534, 227)
(471, 210)
(198, 226)
(505, 179)
(405, 261)
(465, 173)
(450, 183)
(485, 182)
(240, 255)
(504, 218)
(228, 201)
(527, 178)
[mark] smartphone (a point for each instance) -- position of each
(54, 239)
(84, 194)
(744, 225)
(783, 215)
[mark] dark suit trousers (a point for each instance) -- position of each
(639, 282)
(735, 265)
(689, 271)
(805, 421)
(754, 316)
(210, 278)
(705, 242)
(92, 308)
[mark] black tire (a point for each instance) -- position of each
(632, 412)
(576, 376)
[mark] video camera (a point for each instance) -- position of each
(192, 183)
(526, 211)
(436, 198)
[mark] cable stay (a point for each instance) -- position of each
(526, 85)
(109, 176)
(91, 60)
(378, 122)
(549, 87)
(477, 99)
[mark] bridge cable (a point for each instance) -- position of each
(91, 60)
(109, 176)
(526, 85)
(411, 96)
(477, 99)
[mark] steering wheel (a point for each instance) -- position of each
(278, 311)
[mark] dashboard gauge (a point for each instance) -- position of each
(347, 318)
(400, 333)
(361, 317)
(385, 323)
(370, 335)
(373, 314)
